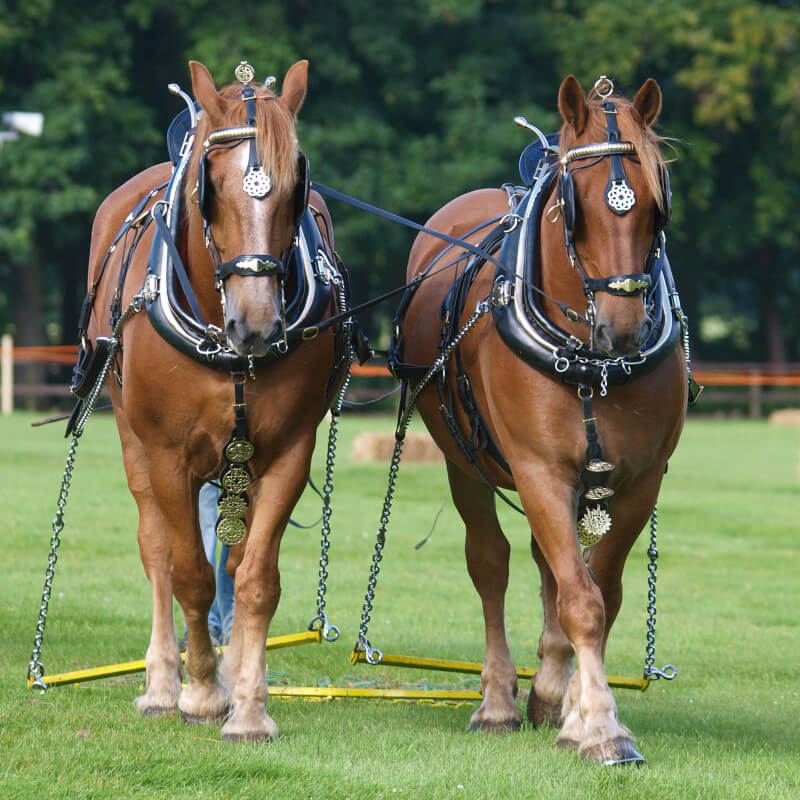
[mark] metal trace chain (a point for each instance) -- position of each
(330, 632)
(35, 666)
(373, 655)
(668, 671)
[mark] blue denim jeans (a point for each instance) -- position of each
(220, 615)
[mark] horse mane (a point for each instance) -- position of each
(276, 138)
(646, 141)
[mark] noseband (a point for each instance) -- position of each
(619, 197)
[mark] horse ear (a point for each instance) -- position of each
(295, 83)
(204, 89)
(648, 101)
(572, 104)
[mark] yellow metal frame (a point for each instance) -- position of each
(130, 667)
(474, 668)
(336, 692)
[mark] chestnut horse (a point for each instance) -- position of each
(175, 412)
(590, 250)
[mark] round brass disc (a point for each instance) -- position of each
(232, 505)
(231, 530)
(236, 480)
(239, 451)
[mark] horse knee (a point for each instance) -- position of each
(259, 597)
(581, 612)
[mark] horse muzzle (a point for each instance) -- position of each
(246, 341)
(614, 341)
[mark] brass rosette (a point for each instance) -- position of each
(593, 525)
(231, 530)
(239, 450)
(233, 505)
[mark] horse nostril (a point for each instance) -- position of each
(602, 338)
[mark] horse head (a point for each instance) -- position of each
(613, 199)
(245, 179)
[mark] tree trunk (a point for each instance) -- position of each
(29, 320)
(774, 340)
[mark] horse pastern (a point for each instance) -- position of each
(540, 712)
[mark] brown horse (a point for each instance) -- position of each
(175, 410)
(591, 249)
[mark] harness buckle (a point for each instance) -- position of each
(501, 295)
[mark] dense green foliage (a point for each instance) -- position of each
(727, 616)
(410, 104)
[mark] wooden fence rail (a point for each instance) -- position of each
(754, 385)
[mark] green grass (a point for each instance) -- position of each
(727, 616)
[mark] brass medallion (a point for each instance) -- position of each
(236, 480)
(231, 530)
(598, 465)
(239, 451)
(244, 72)
(232, 505)
(598, 493)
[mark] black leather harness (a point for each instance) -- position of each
(520, 320)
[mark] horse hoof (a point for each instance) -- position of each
(208, 719)
(614, 752)
(510, 726)
(540, 712)
(248, 737)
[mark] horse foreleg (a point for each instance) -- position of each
(591, 719)
(549, 684)
(257, 592)
(204, 699)
(487, 551)
(162, 661)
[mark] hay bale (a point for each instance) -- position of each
(418, 447)
(785, 416)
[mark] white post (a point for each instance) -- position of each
(6, 374)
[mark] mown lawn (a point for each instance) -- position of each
(727, 616)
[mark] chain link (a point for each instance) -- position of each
(35, 666)
(373, 655)
(669, 671)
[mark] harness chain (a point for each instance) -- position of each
(668, 671)
(35, 666)
(373, 655)
(330, 632)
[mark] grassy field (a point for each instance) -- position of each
(728, 727)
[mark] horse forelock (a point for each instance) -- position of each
(646, 141)
(276, 138)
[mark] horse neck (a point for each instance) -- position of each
(200, 268)
(558, 279)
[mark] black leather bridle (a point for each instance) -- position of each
(257, 183)
(619, 197)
